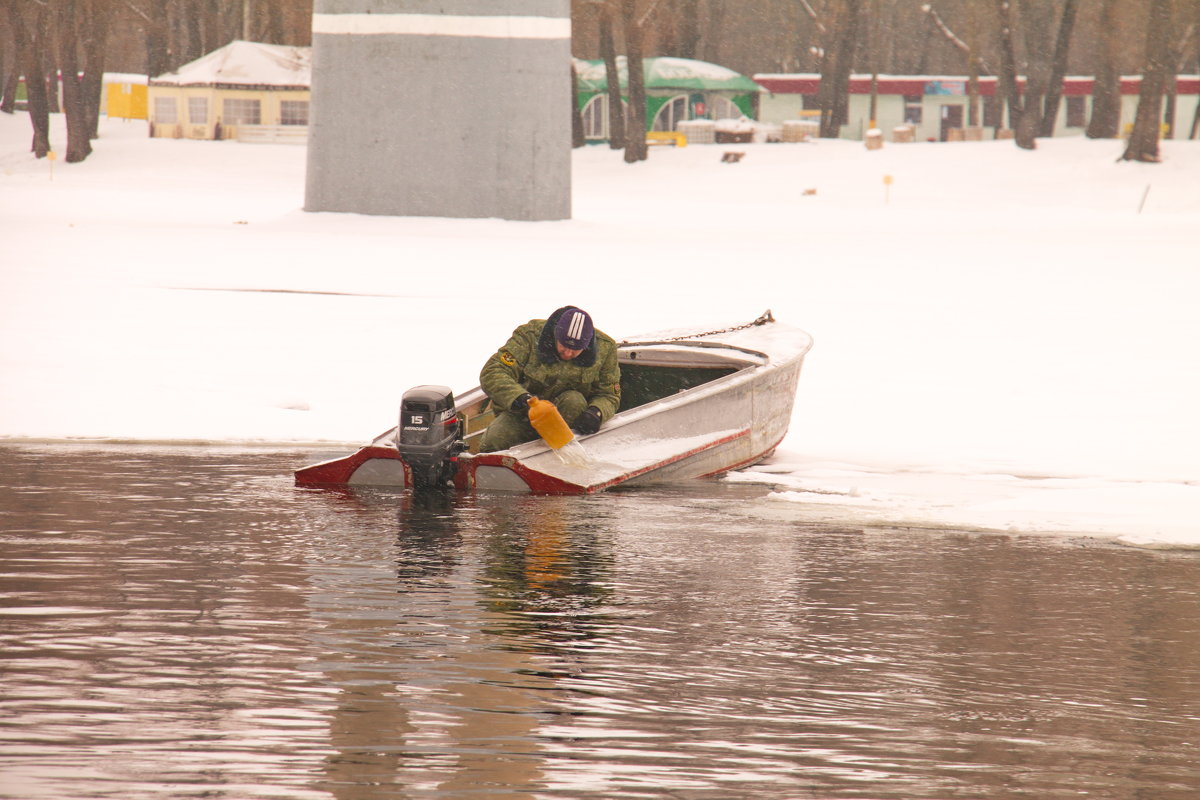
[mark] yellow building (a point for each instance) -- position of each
(125, 96)
(241, 84)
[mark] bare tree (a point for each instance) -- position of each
(94, 51)
(64, 14)
(10, 72)
(679, 28)
(837, 61)
(970, 49)
(1196, 57)
(1007, 79)
(31, 32)
(1058, 68)
(635, 119)
(713, 37)
(1106, 89)
(1043, 74)
(1178, 61)
(616, 108)
(78, 31)
(1143, 139)
(578, 139)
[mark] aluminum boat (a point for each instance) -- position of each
(694, 405)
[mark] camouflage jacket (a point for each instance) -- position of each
(529, 362)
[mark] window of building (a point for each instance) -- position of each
(595, 118)
(241, 111)
(810, 102)
(1076, 112)
(724, 108)
(166, 110)
(198, 110)
(670, 114)
(914, 108)
(293, 112)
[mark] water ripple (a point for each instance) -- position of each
(184, 623)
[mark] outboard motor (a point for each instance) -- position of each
(430, 437)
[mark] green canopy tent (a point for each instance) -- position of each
(676, 89)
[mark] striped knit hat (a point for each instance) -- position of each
(574, 329)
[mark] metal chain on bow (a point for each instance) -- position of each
(763, 320)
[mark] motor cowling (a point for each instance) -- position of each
(430, 436)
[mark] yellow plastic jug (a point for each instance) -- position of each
(545, 419)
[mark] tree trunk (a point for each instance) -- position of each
(836, 64)
(689, 29)
(974, 117)
(923, 49)
(10, 66)
(616, 108)
(1105, 122)
(1029, 117)
(95, 46)
(716, 24)
(1196, 116)
(1171, 100)
(873, 47)
(29, 27)
(274, 32)
(873, 111)
(1178, 64)
(246, 34)
(970, 49)
(1007, 79)
(1143, 140)
(10, 73)
(183, 35)
(635, 123)
(1058, 68)
(66, 15)
(577, 137)
(158, 40)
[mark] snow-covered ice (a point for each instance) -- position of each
(1005, 340)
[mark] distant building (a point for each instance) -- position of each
(240, 84)
(936, 107)
(125, 96)
(677, 90)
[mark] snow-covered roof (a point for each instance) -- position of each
(666, 73)
(125, 77)
(242, 63)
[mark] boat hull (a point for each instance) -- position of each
(704, 430)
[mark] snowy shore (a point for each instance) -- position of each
(1005, 340)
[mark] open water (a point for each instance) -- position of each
(183, 623)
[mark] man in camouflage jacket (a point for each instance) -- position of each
(562, 359)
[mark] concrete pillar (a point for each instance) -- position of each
(445, 108)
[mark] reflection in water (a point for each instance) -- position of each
(185, 623)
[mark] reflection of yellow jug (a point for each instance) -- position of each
(545, 419)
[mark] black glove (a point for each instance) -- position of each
(588, 421)
(521, 404)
